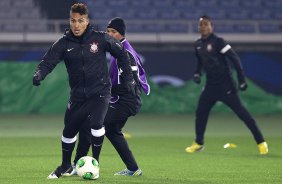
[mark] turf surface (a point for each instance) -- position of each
(30, 150)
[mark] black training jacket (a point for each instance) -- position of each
(85, 60)
(214, 56)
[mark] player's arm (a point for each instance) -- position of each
(120, 89)
(116, 49)
(231, 55)
(49, 61)
(197, 73)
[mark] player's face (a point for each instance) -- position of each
(78, 23)
(114, 33)
(205, 27)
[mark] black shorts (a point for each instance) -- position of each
(92, 111)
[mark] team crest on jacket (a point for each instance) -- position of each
(94, 47)
(209, 47)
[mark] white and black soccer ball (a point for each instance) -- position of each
(88, 168)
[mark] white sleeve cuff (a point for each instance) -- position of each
(225, 49)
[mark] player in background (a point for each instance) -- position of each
(84, 53)
(214, 56)
(122, 104)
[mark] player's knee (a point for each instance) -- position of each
(68, 140)
(98, 132)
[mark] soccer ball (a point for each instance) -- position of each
(88, 168)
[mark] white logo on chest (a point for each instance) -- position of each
(209, 47)
(94, 47)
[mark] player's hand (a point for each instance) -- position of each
(242, 83)
(36, 79)
(131, 87)
(197, 78)
(243, 86)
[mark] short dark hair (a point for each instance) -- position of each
(206, 17)
(79, 8)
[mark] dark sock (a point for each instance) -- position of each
(96, 143)
(81, 151)
(67, 149)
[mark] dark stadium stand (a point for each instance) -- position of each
(256, 12)
(21, 16)
(270, 28)
(229, 16)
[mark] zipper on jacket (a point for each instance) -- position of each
(83, 70)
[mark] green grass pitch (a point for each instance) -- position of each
(30, 149)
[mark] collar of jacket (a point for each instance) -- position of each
(208, 38)
(79, 39)
(122, 40)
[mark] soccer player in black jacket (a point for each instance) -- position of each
(122, 105)
(84, 53)
(214, 56)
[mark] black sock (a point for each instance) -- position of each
(96, 143)
(67, 149)
(81, 151)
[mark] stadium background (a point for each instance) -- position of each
(163, 32)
